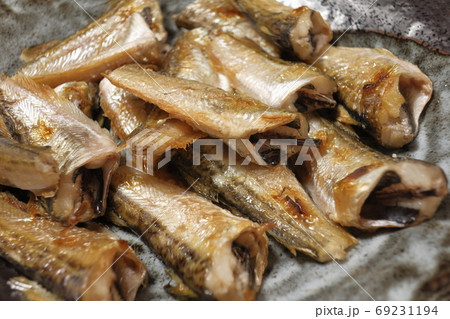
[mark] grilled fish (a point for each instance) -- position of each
(223, 15)
(280, 84)
(82, 94)
(28, 167)
(28, 290)
(128, 32)
(219, 113)
(383, 93)
(267, 194)
(302, 30)
(215, 253)
(73, 263)
(86, 155)
(360, 187)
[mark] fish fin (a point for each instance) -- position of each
(180, 290)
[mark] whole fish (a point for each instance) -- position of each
(82, 94)
(266, 194)
(360, 187)
(219, 113)
(383, 94)
(215, 253)
(275, 82)
(73, 263)
(28, 167)
(301, 30)
(223, 15)
(86, 155)
(128, 32)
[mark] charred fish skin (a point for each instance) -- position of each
(73, 263)
(384, 94)
(215, 253)
(372, 190)
(278, 83)
(219, 113)
(28, 167)
(128, 32)
(268, 195)
(34, 114)
(301, 30)
(224, 16)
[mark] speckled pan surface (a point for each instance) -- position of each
(387, 265)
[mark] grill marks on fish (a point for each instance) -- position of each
(302, 30)
(194, 236)
(120, 36)
(71, 262)
(267, 195)
(373, 190)
(34, 114)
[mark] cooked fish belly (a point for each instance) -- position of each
(383, 93)
(215, 253)
(360, 187)
(85, 153)
(28, 167)
(209, 109)
(302, 30)
(189, 59)
(29, 290)
(128, 32)
(82, 94)
(278, 83)
(73, 263)
(267, 194)
(223, 15)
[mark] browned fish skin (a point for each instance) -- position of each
(129, 31)
(209, 109)
(29, 290)
(384, 94)
(302, 30)
(280, 84)
(86, 155)
(73, 263)
(267, 194)
(28, 167)
(82, 94)
(223, 15)
(31, 53)
(371, 190)
(215, 253)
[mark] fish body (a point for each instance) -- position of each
(385, 95)
(209, 109)
(267, 194)
(224, 16)
(278, 83)
(29, 290)
(301, 30)
(72, 263)
(128, 32)
(28, 167)
(82, 94)
(371, 190)
(86, 155)
(215, 253)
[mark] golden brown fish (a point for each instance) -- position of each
(86, 155)
(266, 194)
(360, 187)
(381, 92)
(29, 290)
(129, 31)
(28, 167)
(302, 30)
(223, 15)
(73, 263)
(214, 111)
(216, 254)
(278, 83)
(82, 94)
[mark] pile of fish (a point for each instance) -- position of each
(86, 121)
